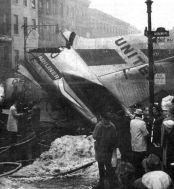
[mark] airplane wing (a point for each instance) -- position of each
(70, 62)
(23, 71)
(50, 77)
(131, 85)
(76, 101)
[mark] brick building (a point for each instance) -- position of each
(5, 36)
(13, 15)
(104, 25)
(75, 15)
(69, 14)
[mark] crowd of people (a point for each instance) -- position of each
(146, 144)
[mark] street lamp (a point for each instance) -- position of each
(149, 34)
(31, 28)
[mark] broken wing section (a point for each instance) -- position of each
(131, 85)
(69, 62)
(23, 71)
(77, 103)
(51, 79)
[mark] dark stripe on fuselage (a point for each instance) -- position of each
(95, 57)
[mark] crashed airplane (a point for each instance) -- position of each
(94, 74)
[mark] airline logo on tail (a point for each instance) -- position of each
(128, 53)
(49, 67)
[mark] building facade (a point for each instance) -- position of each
(27, 24)
(13, 15)
(5, 36)
(75, 15)
(104, 25)
(54, 15)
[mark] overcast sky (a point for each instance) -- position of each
(135, 11)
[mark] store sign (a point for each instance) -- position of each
(160, 79)
(165, 40)
(161, 32)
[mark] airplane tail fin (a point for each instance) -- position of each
(123, 47)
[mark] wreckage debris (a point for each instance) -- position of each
(65, 154)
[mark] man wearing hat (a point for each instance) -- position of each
(139, 134)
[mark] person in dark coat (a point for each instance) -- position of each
(125, 173)
(105, 141)
(122, 124)
(158, 119)
(35, 117)
(167, 142)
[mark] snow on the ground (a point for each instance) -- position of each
(65, 154)
(6, 183)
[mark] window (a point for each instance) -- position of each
(40, 4)
(33, 4)
(41, 32)
(3, 23)
(16, 57)
(16, 31)
(48, 7)
(67, 11)
(61, 9)
(34, 23)
(25, 21)
(55, 7)
(6, 53)
(2, 55)
(25, 2)
(4, 18)
(25, 25)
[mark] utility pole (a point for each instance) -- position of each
(149, 34)
(152, 36)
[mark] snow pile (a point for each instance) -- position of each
(9, 184)
(166, 102)
(65, 153)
